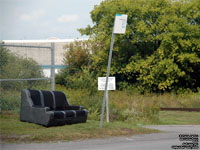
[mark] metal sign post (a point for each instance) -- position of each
(111, 86)
(119, 28)
(107, 107)
(108, 73)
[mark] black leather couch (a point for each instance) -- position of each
(49, 108)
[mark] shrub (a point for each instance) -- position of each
(160, 50)
(77, 73)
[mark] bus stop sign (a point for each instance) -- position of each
(120, 24)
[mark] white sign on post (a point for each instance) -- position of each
(102, 83)
(119, 28)
(120, 24)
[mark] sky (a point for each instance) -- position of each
(44, 19)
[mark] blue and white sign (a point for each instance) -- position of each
(120, 23)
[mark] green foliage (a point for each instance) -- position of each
(123, 107)
(129, 106)
(77, 73)
(82, 80)
(15, 67)
(4, 58)
(161, 48)
(77, 56)
(10, 100)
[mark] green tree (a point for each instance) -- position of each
(161, 48)
(76, 73)
(77, 56)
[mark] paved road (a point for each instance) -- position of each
(157, 141)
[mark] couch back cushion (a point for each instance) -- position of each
(48, 99)
(35, 96)
(60, 100)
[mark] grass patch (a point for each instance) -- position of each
(127, 109)
(12, 130)
(179, 118)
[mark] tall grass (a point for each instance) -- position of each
(190, 100)
(124, 105)
(10, 98)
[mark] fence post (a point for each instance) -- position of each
(52, 66)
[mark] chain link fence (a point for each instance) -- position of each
(24, 66)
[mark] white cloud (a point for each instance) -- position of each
(68, 18)
(34, 15)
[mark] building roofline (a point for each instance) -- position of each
(42, 41)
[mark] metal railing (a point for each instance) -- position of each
(52, 48)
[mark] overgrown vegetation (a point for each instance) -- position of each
(160, 51)
(158, 57)
(156, 64)
(13, 66)
(77, 74)
(126, 105)
(127, 111)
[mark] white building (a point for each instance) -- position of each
(41, 55)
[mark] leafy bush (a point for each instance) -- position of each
(160, 50)
(77, 56)
(77, 73)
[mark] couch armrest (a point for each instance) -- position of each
(41, 115)
(41, 108)
(74, 107)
